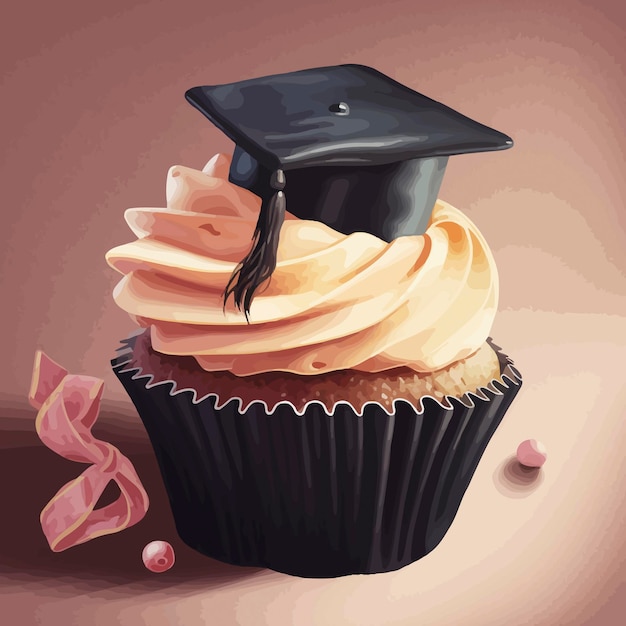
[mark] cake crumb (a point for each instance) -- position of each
(355, 388)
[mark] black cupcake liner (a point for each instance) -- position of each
(313, 494)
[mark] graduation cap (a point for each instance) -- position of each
(344, 145)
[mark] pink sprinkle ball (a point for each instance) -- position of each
(531, 453)
(158, 556)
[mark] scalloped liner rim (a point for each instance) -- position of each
(510, 376)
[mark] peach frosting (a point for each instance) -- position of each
(334, 301)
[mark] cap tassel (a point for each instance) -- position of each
(260, 262)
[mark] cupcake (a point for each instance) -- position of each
(313, 363)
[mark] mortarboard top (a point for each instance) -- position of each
(347, 145)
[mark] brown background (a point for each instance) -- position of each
(93, 114)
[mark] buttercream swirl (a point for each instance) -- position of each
(334, 301)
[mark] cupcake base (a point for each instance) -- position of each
(315, 495)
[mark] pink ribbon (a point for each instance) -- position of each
(68, 407)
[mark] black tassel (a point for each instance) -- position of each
(260, 262)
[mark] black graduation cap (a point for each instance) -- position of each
(346, 145)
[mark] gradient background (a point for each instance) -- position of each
(93, 115)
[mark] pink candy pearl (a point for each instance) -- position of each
(531, 453)
(158, 556)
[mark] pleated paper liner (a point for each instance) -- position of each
(314, 495)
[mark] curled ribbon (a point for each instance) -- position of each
(68, 406)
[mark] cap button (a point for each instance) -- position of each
(340, 108)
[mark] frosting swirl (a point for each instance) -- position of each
(334, 301)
